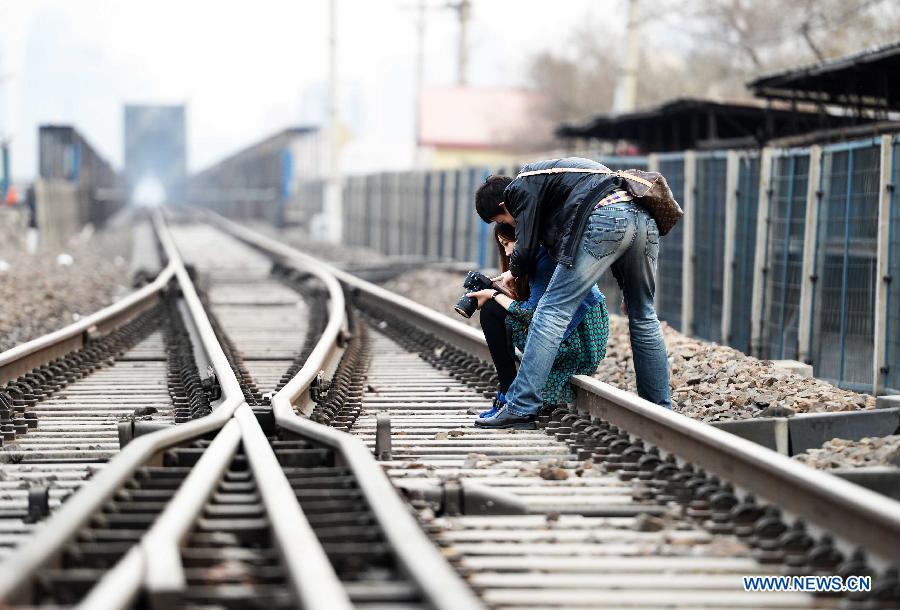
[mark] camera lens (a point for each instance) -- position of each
(466, 306)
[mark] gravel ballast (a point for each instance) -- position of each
(710, 382)
(50, 289)
(839, 453)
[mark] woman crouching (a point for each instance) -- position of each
(505, 319)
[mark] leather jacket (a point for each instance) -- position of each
(552, 210)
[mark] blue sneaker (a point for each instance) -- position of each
(504, 419)
(499, 402)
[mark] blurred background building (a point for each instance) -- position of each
(459, 126)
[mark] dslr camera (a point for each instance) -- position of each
(474, 282)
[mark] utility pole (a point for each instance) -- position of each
(463, 10)
(628, 88)
(333, 195)
(5, 177)
(420, 77)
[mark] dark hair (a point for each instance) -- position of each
(489, 196)
(522, 290)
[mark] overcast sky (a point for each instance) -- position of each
(248, 68)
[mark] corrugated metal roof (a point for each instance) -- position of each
(864, 79)
(702, 123)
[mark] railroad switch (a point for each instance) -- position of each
(211, 386)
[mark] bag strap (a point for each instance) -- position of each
(577, 170)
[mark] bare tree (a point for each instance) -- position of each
(730, 42)
(578, 83)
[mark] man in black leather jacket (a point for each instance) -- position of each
(586, 220)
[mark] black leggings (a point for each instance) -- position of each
(493, 324)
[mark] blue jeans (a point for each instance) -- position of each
(624, 237)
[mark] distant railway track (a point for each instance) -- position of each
(273, 495)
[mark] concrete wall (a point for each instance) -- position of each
(59, 214)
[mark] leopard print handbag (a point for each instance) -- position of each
(652, 192)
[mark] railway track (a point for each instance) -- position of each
(226, 509)
(73, 401)
(611, 503)
(273, 497)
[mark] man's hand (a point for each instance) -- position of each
(504, 282)
(482, 296)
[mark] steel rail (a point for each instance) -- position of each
(228, 381)
(160, 548)
(21, 359)
(313, 578)
(89, 499)
(155, 561)
(311, 574)
(866, 518)
(437, 580)
(860, 516)
(316, 586)
(49, 541)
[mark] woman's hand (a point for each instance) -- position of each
(504, 282)
(482, 296)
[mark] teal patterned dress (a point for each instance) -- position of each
(579, 354)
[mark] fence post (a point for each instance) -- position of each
(408, 212)
(397, 215)
(347, 195)
(882, 273)
(483, 230)
(687, 255)
(808, 276)
(731, 202)
(367, 211)
(760, 262)
(426, 207)
(442, 196)
(469, 211)
(359, 210)
(388, 216)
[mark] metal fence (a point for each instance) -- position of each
(709, 246)
(783, 253)
(743, 251)
(846, 255)
(891, 363)
(671, 247)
